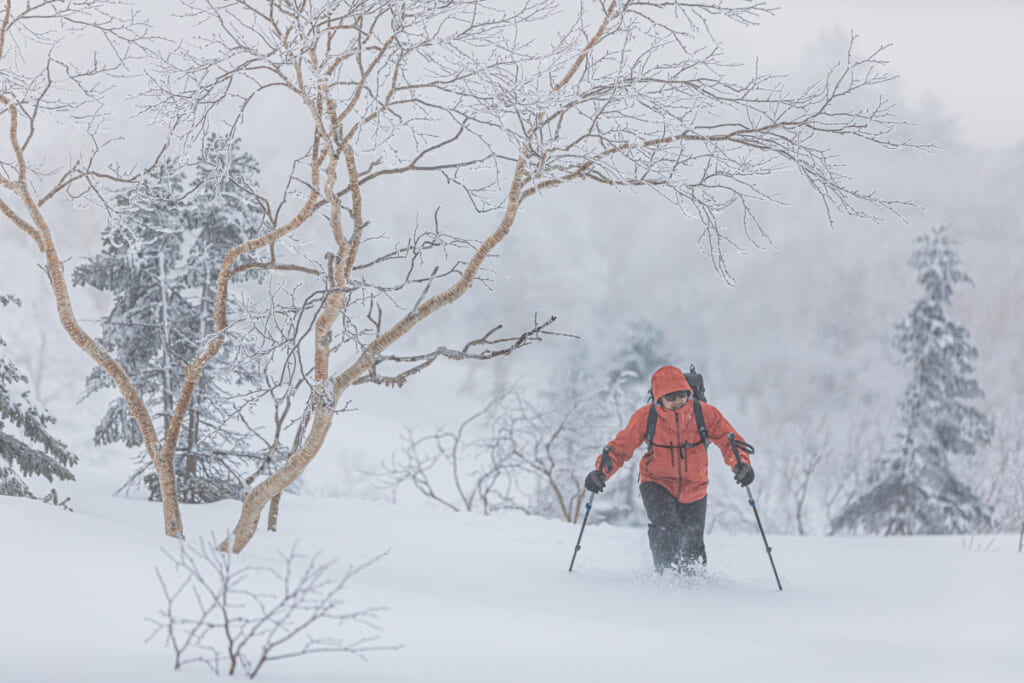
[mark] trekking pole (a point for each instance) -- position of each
(748, 449)
(582, 527)
(765, 538)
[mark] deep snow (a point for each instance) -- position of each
(474, 598)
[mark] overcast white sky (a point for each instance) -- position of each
(965, 55)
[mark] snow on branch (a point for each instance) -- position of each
(492, 348)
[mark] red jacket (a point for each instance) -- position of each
(678, 461)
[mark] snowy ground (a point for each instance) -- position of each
(474, 598)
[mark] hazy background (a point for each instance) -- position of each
(802, 335)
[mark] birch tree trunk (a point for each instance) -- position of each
(39, 229)
(275, 507)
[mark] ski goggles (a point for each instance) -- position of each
(677, 396)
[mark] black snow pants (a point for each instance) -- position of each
(676, 531)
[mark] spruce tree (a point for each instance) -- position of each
(160, 261)
(914, 490)
(638, 355)
(36, 452)
(640, 352)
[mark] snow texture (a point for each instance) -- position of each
(473, 598)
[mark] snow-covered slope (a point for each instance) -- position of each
(473, 598)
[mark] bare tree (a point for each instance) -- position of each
(999, 477)
(810, 471)
(544, 444)
(506, 104)
(805, 456)
(460, 469)
(849, 467)
(631, 94)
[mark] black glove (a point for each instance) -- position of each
(743, 473)
(594, 482)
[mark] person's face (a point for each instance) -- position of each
(675, 400)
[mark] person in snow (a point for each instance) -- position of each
(674, 471)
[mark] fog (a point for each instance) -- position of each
(801, 332)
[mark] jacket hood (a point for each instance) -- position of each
(667, 379)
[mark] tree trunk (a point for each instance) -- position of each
(275, 505)
(166, 400)
(192, 440)
(273, 485)
(39, 230)
(191, 461)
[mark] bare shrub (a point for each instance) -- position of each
(521, 451)
(459, 468)
(235, 617)
(998, 478)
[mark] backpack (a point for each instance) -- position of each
(696, 382)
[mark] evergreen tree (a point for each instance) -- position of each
(634, 360)
(915, 491)
(640, 353)
(37, 452)
(160, 261)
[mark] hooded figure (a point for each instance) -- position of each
(674, 471)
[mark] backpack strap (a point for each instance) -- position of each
(652, 422)
(698, 415)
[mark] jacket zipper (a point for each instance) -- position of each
(682, 456)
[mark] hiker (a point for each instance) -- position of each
(674, 471)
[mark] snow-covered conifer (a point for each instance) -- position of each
(160, 261)
(914, 490)
(36, 452)
(639, 354)
(633, 361)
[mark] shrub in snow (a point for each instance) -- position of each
(999, 479)
(519, 452)
(914, 490)
(235, 617)
(35, 451)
